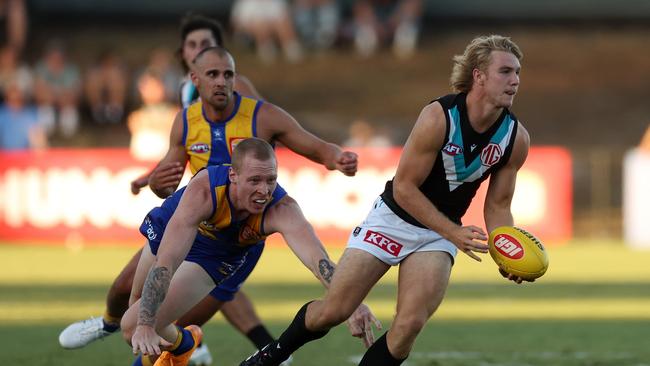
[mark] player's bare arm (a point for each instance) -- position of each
(416, 162)
(502, 184)
(167, 175)
(502, 188)
(286, 218)
(280, 126)
(194, 207)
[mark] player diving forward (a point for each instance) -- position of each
(200, 237)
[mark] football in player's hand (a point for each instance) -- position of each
(518, 252)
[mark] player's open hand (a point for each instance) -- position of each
(139, 183)
(468, 240)
(347, 163)
(516, 279)
(145, 340)
(360, 325)
(165, 178)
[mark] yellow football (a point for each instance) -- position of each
(518, 252)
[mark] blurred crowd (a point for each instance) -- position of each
(50, 97)
(315, 25)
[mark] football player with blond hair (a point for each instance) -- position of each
(457, 142)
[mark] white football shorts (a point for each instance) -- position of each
(391, 239)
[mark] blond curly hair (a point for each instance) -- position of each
(477, 56)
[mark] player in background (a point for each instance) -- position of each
(209, 229)
(197, 34)
(457, 142)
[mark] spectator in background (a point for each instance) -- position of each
(150, 124)
(11, 70)
(377, 21)
(267, 21)
(57, 90)
(162, 63)
(363, 134)
(199, 32)
(317, 22)
(106, 89)
(19, 128)
(14, 14)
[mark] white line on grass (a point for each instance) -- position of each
(516, 357)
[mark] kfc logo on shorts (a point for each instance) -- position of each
(452, 149)
(388, 245)
(200, 148)
(491, 154)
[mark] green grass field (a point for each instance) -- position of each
(591, 308)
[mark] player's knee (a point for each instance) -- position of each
(122, 285)
(332, 316)
(409, 325)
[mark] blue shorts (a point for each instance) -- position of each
(228, 266)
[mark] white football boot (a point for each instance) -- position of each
(82, 333)
(201, 356)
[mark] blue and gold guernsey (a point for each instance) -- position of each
(211, 142)
(465, 160)
(222, 245)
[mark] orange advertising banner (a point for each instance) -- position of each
(82, 197)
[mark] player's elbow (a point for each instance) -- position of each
(401, 192)
(162, 192)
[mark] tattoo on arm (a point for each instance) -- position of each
(326, 270)
(153, 293)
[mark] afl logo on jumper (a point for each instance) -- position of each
(491, 154)
(200, 148)
(452, 149)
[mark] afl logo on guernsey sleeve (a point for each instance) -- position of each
(491, 154)
(200, 148)
(452, 149)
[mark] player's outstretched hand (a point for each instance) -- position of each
(165, 178)
(467, 239)
(145, 340)
(347, 163)
(139, 183)
(518, 280)
(360, 325)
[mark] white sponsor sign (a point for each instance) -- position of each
(636, 199)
